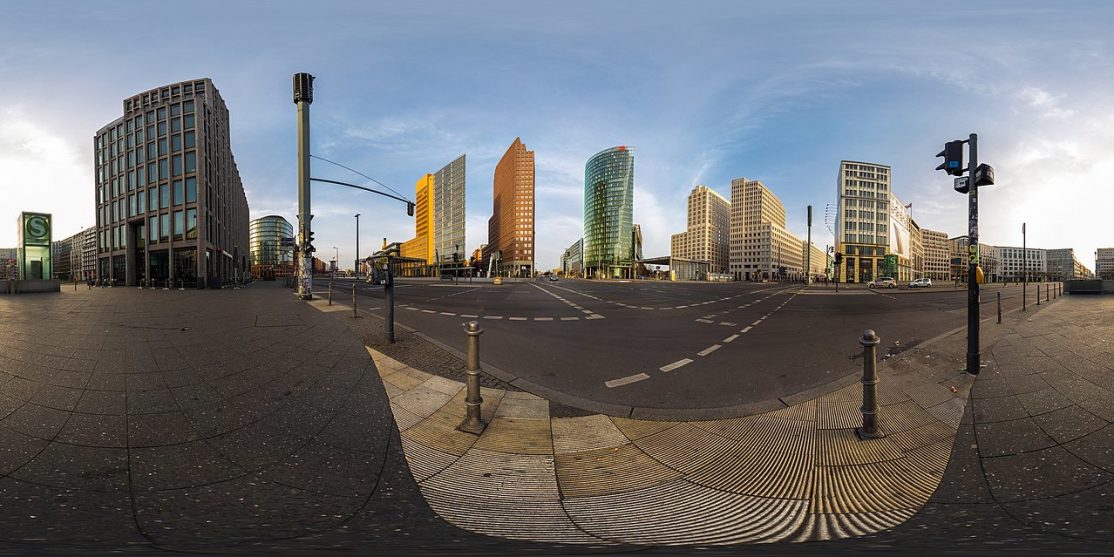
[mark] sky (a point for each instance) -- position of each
(703, 91)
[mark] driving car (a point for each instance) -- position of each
(921, 283)
(553, 278)
(884, 282)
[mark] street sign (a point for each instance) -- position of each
(961, 185)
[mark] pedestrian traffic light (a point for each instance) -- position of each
(309, 242)
(409, 209)
(953, 158)
(839, 258)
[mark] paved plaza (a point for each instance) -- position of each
(245, 421)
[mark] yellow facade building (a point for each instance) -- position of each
(421, 246)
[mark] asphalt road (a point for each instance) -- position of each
(677, 346)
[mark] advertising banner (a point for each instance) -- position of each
(900, 242)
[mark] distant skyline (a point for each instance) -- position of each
(705, 92)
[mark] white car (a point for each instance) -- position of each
(886, 282)
(921, 283)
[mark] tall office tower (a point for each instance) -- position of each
(170, 204)
(421, 246)
(937, 255)
(609, 213)
(863, 220)
(269, 257)
(709, 230)
(510, 230)
(766, 249)
(448, 217)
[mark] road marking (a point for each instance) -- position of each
(469, 315)
(518, 319)
(709, 350)
(626, 380)
(703, 321)
(680, 307)
(730, 338)
(570, 319)
(586, 310)
(756, 323)
(543, 319)
(428, 311)
(675, 365)
(746, 329)
(493, 317)
(728, 323)
(594, 316)
(412, 309)
(447, 313)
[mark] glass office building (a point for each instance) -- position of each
(609, 213)
(170, 205)
(269, 258)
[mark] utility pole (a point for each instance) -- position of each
(1024, 269)
(808, 250)
(303, 97)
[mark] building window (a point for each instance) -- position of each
(191, 190)
(191, 141)
(164, 196)
(164, 227)
(191, 224)
(179, 225)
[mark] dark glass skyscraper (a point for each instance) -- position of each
(609, 213)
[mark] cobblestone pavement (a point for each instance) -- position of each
(138, 421)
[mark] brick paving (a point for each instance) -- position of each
(248, 422)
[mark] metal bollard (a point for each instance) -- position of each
(1047, 288)
(1038, 287)
(999, 307)
(389, 301)
(473, 402)
(870, 387)
(354, 301)
(330, 293)
(181, 284)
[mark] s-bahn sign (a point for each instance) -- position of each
(35, 229)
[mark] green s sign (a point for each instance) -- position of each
(36, 230)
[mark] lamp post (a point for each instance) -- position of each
(356, 269)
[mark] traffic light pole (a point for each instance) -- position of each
(303, 97)
(973, 356)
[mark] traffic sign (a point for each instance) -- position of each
(961, 185)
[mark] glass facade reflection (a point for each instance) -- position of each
(609, 213)
(268, 256)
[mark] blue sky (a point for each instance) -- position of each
(704, 91)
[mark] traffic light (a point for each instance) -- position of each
(839, 258)
(409, 209)
(309, 242)
(953, 158)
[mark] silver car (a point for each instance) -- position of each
(921, 283)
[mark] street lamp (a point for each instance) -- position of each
(356, 268)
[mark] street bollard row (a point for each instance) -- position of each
(330, 293)
(354, 301)
(473, 402)
(999, 307)
(870, 387)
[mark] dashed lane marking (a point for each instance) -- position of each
(728, 323)
(493, 317)
(570, 319)
(626, 380)
(746, 329)
(518, 318)
(703, 321)
(543, 319)
(594, 316)
(730, 338)
(755, 324)
(675, 365)
(709, 350)
(469, 315)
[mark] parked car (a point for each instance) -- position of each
(884, 282)
(921, 283)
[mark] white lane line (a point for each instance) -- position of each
(412, 309)
(543, 319)
(428, 311)
(703, 321)
(448, 313)
(469, 315)
(594, 316)
(626, 380)
(746, 329)
(730, 338)
(586, 310)
(676, 365)
(518, 319)
(493, 317)
(570, 319)
(680, 307)
(709, 350)
(728, 323)
(756, 323)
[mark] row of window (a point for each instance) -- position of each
(178, 192)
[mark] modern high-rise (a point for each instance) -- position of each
(937, 255)
(916, 242)
(1064, 265)
(170, 204)
(572, 260)
(814, 258)
(609, 213)
(510, 230)
(448, 217)
(89, 253)
(269, 257)
(1104, 263)
(421, 246)
(863, 217)
(708, 237)
(762, 248)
